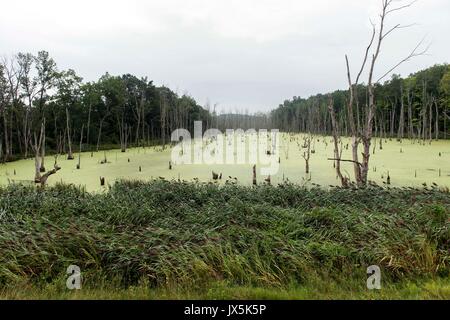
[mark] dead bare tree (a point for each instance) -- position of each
(102, 120)
(43, 180)
(69, 138)
(337, 150)
(81, 145)
(163, 116)
(307, 153)
(364, 134)
(401, 128)
(36, 146)
(436, 125)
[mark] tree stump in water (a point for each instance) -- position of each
(43, 179)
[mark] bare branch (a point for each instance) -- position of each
(342, 160)
(367, 53)
(401, 7)
(349, 77)
(413, 54)
(398, 26)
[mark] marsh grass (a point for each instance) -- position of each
(180, 240)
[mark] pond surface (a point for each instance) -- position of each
(408, 164)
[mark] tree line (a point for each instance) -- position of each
(44, 108)
(415, 107)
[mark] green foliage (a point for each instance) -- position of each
(311, 114)
(195, 234)
(32, 88)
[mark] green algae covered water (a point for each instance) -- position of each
(407, 163)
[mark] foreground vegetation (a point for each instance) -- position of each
(165, 239)
(316, 289)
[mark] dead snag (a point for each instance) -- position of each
(81, 146)
(43, 179)
(37, 146)
(363, 133)
(69, 138)
(337, 151)
(307, 153)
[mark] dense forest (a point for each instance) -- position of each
(35, 98)
(415, 107)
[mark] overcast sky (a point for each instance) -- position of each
(241, 54)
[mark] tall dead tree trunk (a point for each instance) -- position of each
(337, 152)
(88, 124)
(163, 111)
(351, 118)
(69, 137)
(36, 146)
(26, 133)
(436, 126)
(81, 146)
(361, 169)
(42, 169)
(5, 135)
(102, 120)
(410, 115)
(307, 153)
(430, 125)
(401, 125)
